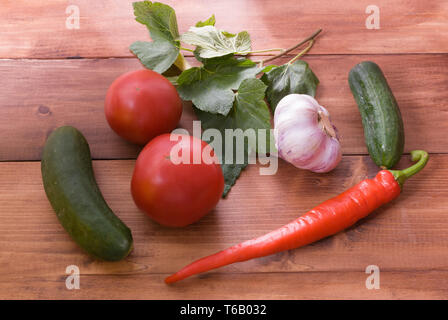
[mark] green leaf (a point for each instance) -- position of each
(252, 112)
(177, 67)
(209, 22)
(228, 34)
(157, 55)
(289, 78)
(159, 18)
(211, 86)
(172, 79)
(211, 42)
(249, 112)
(231, 173)
(269, 68)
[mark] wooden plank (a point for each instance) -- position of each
(272, 286)
(37, 29)
(58, 92)
(407, 239)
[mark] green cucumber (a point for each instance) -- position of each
(71, 188)
(381, 117)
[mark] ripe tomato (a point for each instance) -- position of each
(172, 192)
(141, 105)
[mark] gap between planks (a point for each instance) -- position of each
(252, 55)
(127, 159)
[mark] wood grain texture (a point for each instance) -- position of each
(59, 92)
(39, 91)
(407, 239)
(274, 286)
(37, 29)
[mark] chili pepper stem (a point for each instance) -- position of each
(421, 157)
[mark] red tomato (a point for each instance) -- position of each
(141, 105)
(176, 195)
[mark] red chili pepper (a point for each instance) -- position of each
(330, 217)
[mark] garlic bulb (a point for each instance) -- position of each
(304, 135)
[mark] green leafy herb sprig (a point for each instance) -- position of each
(226, 90)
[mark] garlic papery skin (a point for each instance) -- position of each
(304, 135)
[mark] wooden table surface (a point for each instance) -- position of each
(43, 86)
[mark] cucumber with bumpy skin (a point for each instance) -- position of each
(381, 117)
(71, 188)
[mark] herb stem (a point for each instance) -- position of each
(304, 51)
(260, 51)
(181, 63)
(310, 38)
(186, 49)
